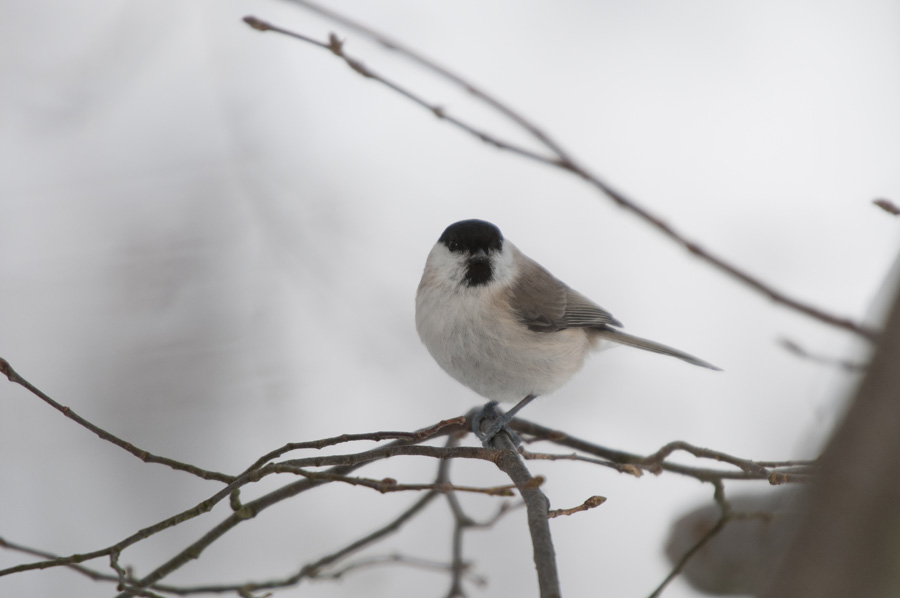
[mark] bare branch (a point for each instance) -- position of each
(446, 73)
(86, 571)
(745, 465)
(344, 464)
(263, 26)
(145, 456)
(458, 566)
(537, 506)
(562, 159)
(799, 351)
(726, 516)
(462, 523)
(887, 205)
(201, 508)
(620, 467)
(798, 471)
(121, 575)
(349, 462)
(248, 511)
(391, 485)
(398, 559)
(337, 48)
(403, 443)
(310, 570)
(393, 450)
(313, 570)
(413, 437)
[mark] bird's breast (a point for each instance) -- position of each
(474, 335)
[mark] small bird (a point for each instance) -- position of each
(501, 324)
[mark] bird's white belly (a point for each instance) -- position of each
(497, 357)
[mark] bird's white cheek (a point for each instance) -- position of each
(504, 265)
(444, 268)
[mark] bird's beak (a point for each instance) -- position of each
(478, 256)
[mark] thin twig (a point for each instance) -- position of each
(745, 465)
(590, 503)
(86, 571)
(887, 205)
(657, 462)
(393, 450)
(396, 559)
(391, 485)
(462, 523)
(415, 437)
(620, 467)
(799, 351)
(726, 516)
(263, 26)
(145, 456)
(121, 575)
(682, 563)
(337, 48)
(458, 566)
(142, 534)
(444, 72)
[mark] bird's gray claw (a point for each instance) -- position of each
(496, 422)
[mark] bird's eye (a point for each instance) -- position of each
(453, 245)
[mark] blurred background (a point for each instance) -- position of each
(210, 241)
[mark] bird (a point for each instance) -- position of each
(501, 324)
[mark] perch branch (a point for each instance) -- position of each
(537, 507)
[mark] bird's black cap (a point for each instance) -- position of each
(471, 235)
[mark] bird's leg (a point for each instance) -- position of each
(500, 421)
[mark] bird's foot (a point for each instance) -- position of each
(489, 422)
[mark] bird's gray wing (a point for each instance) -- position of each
(581, 312)
(546, 304)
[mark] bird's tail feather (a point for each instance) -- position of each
(648, 345)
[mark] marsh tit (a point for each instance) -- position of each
(501, 324)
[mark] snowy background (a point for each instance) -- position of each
(210, 240)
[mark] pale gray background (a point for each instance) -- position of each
(210, 240)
